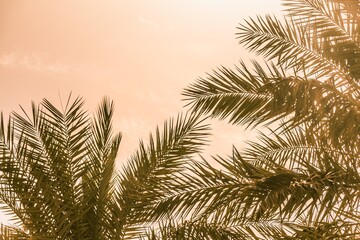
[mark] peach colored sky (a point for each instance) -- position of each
(140, 53)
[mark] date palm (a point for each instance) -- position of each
(58, 176)
(301, 179)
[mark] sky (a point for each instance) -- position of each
(140, 53)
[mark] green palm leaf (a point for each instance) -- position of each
(48, 159)
(284, 177)
(153, 171)
(58, 171)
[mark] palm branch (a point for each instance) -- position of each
(153, 171)
(305, 175)
(58, 173)
(271, 186)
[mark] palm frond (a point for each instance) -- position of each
(289, 45)
(324, 230)
(58, 169)
(98, 177)
(12, 233)
(327, 17)
(308, 167)
(252, 98)
(194, 230)
(234, 95)
(153, 171)
(271, 189)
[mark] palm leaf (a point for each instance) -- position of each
(153, 171)
(56, 171)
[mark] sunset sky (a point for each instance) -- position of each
(139, 53)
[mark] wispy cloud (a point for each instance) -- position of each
(201, 48)
(150, 24)
(8, 60)
(33, 62)
(153, 25)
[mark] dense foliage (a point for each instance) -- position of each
(301, 179)
(58, 176)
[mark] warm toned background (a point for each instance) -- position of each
(141, 53)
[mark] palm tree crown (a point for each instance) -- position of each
(58, 176)
(302, 180)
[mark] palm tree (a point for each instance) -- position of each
(58, 176)
(301, 179)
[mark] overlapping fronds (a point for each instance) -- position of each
(319, 43)
(316, 51)
(45, 163)
(324, 230)
(258, 231)
(334, 25)
(58, 176)
(309, 167)
(40, 174)
(256, 97)
(99, 181)
(298, 181)
(194, 230)
(236, 95)
(153, 171)
(289, 44)
(320, 37)
(266, 190)
(12, 233)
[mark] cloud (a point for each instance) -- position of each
(33, 62)
(8, 60)
(150, 24)
(202, 49)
